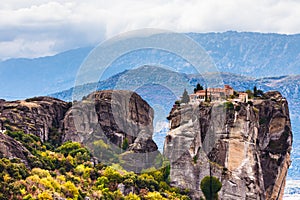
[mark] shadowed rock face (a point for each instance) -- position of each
(112, 115)
(11, 148)
(36, 115)
(248, 147)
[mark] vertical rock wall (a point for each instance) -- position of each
(247, 147)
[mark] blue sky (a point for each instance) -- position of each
(35, 28)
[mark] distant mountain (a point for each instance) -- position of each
(289, 86)
(253, 54)
(146, 80)
(158, 86)
(244, 53)
(21, 78)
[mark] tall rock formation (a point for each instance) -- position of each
(247, 146)
(122, 120)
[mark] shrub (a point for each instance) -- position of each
(74, 153)
(195, 158)
(45, 196)
(131, 196)
(112, 175)
(27, 197)
(212, 183)
(177, 102)
(55, 137)
(228, 105)
(147, 181)
(103, 151)
(40, 172)
(102, 182)
(164, 186)
(154, 196)
(125, 144)
(70, 190)
(262, 121)
(238, 108)
(250, 103)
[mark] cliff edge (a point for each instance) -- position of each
(246, 145)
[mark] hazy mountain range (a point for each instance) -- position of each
(251, 54)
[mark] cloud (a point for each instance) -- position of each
(42, 27)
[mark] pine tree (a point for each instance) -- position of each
(125, 144)
(199, 87)
(206, 97)
(185, 97)
(210, 187)
(255, 91)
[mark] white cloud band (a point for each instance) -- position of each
(35, 28)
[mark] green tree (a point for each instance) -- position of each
(185, 97)
(228, 105)
(125, 144)
(68, 148)
(206, 96)
(198, 87)
(255, 91)
(210, 187)
(250, 94)
(112, 175)
(259, 93)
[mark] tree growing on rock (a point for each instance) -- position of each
(206, 96)
(185, 97)
(125, 144)
(210, 187)
(255, 91)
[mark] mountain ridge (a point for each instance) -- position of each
(245, 53)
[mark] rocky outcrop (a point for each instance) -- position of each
(112, 115)
(38, 115)
(118, 120)
(11, 148)
(247, 146)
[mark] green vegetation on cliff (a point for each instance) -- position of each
(210, 187)
(68, 172)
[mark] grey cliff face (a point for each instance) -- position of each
(247, 146)
(112, 115)
(36, 115)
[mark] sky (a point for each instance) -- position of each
(35, 28)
